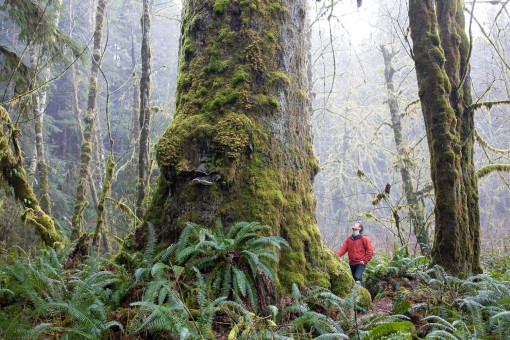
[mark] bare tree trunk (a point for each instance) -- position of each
(416, 208)
(135, 121)
(240, 145)
(87, 147)
(39, 110)
(441, 51)
(145, 112)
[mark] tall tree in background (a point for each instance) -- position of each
(240, 145)
(145, 112)
(89, 127)
(416, 207)
(38, 61)
(441, 53)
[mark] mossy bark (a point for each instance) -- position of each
(99, 231)
(89, 125)
(39, 108)
(12, 172)
(441, 51)
(145, 112)
(240, 145)
(416, 207)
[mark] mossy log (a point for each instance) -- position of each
(240, 145)
(12, 172)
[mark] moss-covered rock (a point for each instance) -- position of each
(403, 330)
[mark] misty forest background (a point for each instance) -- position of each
(367, 125)
(351, 116)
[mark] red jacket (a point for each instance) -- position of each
(359, 249)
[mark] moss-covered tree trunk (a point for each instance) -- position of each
(89, 125)
(11, 171)
(39, 111)
(145, 112)
(416, 207)
(441, 51)
(240, 145)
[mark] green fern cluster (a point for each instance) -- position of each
(193, 290)
(483, 311)
(41, 298)
(445, 306)
(239, 262)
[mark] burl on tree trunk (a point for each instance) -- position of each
(240, 145)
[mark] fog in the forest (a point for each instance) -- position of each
(353, 135)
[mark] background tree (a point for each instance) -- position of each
(145, 111)
(441, 53)
(416, 206)
(90, 118)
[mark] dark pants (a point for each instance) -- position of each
(357, 271)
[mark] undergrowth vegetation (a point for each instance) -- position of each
(221, 283)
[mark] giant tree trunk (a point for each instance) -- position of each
(86, 153)
(441, 50)
(416, 207)
(145, 112)
(240, 145)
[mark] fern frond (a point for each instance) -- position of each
(442, 335)
(332, 336)
(158, 269)
(227, 280)
(240, 282)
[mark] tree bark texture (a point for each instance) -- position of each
(89, 127)
(145, 112)
(416, 207)
(240, 145)
(12, 172)
(441, 50)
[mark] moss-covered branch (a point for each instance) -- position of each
(489, 105)
(13, 173)
(486, 145)
(484, 171)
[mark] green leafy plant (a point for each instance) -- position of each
(43, 299)
(237, 262)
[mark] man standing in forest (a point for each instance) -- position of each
(360, 251)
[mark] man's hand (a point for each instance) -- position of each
(362, 262)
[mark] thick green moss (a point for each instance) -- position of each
(405, 329)
(220, 6)
(441, 53)
(228, 122)
(279, 76)
(14, 174)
